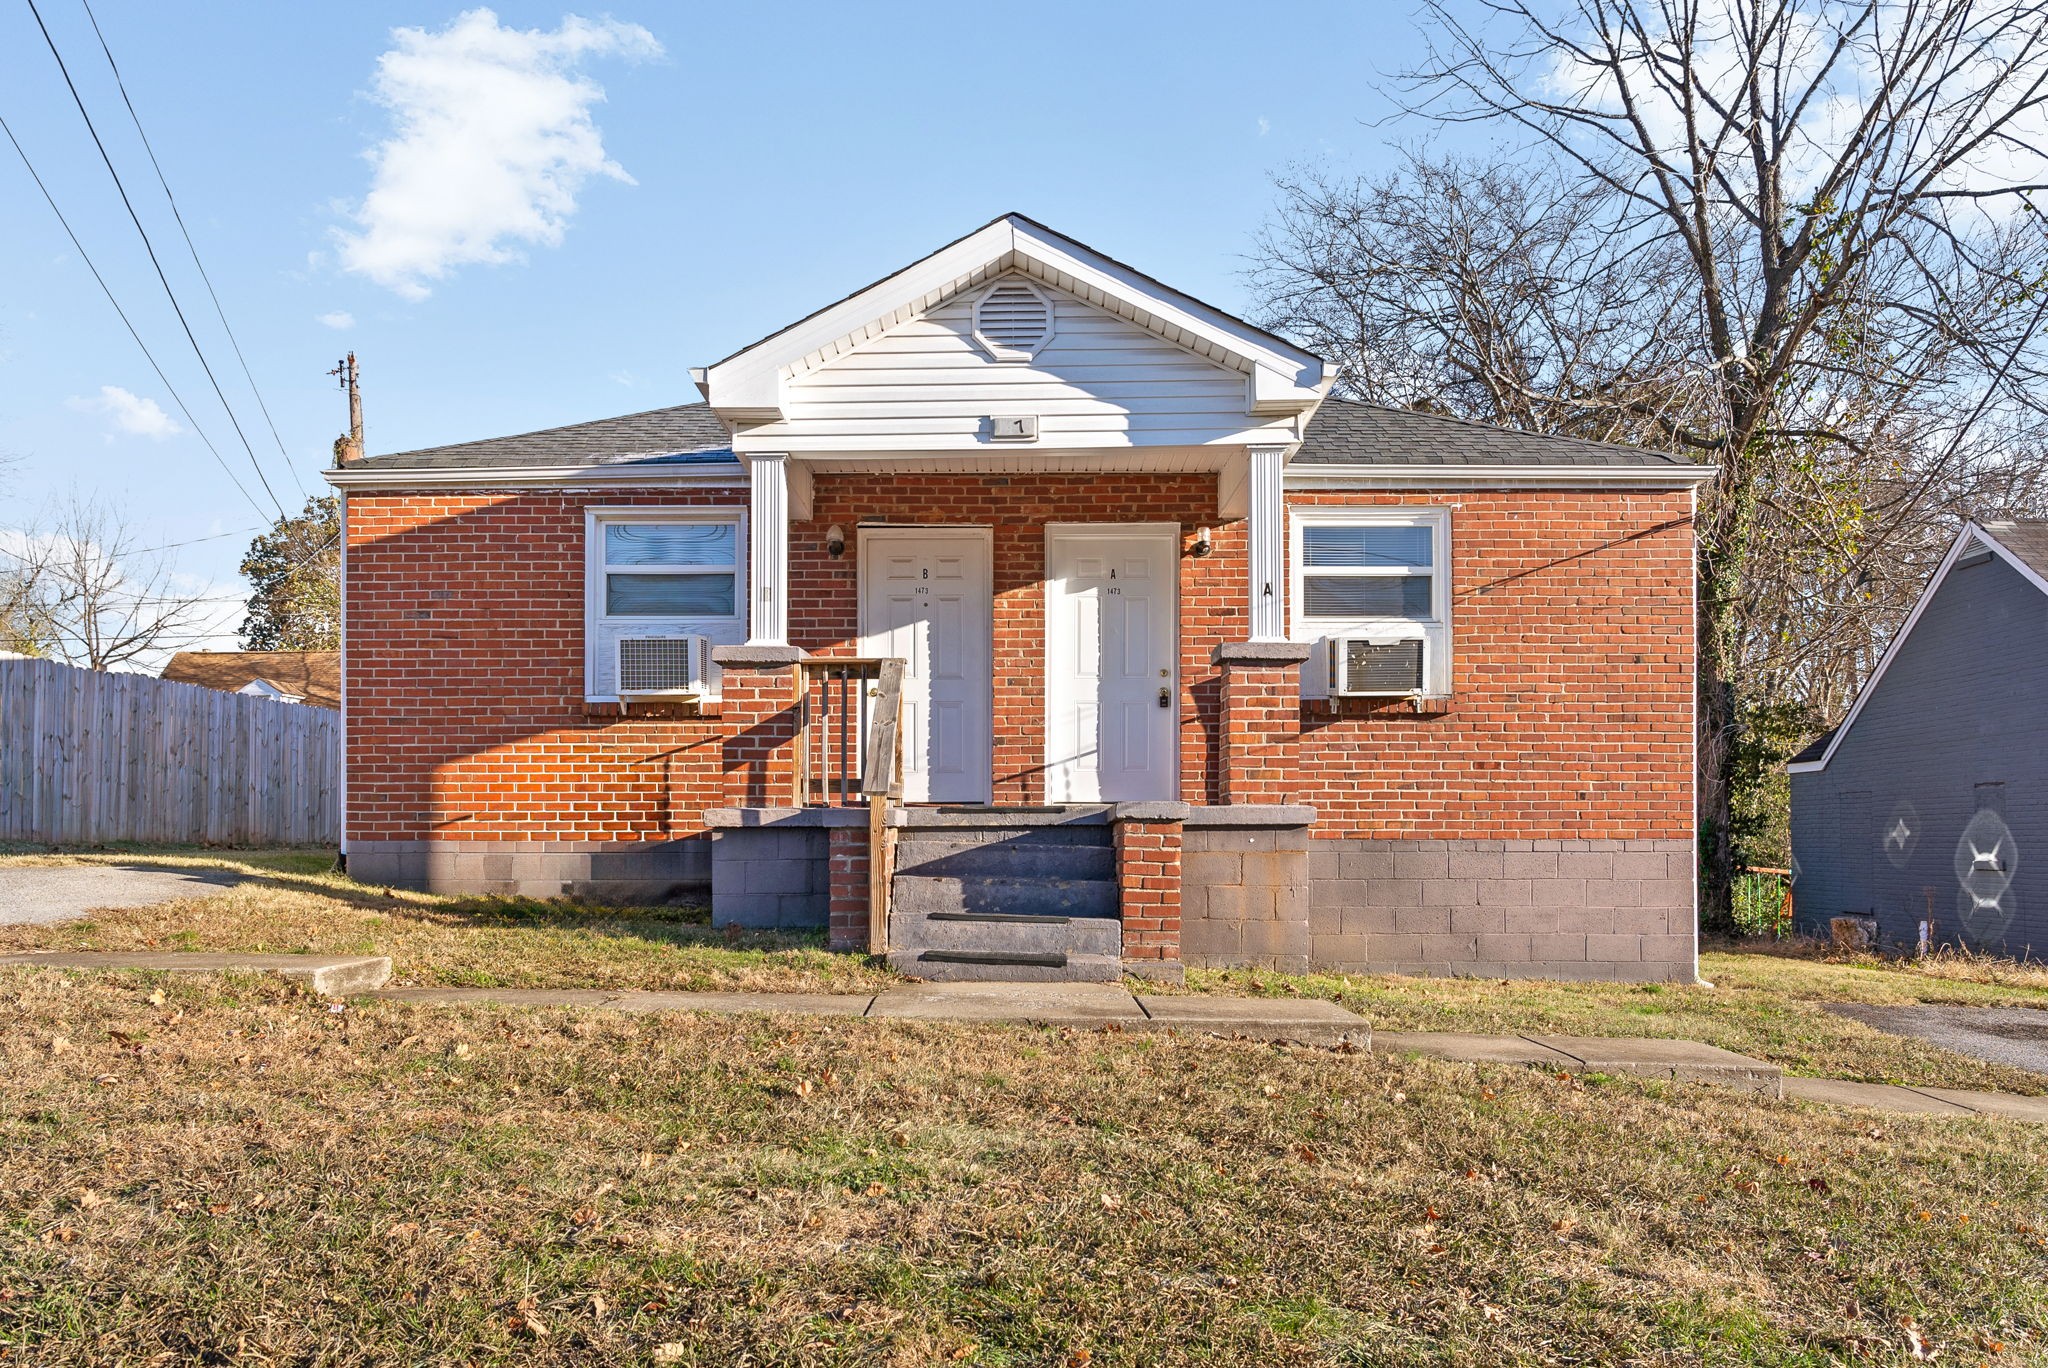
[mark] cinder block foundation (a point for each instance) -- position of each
(648, 872)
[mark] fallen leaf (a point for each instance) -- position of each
(1080, 1358)
(1305, 1154)
(965, 1351)
(156, 997)
(1110, 1201)
(58, 1044)
(89, 1199)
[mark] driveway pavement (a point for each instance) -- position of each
(2004, 1035)
(41, 894)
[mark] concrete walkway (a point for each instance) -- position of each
(1109, 1007)
(327, 975)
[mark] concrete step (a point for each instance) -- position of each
(956, 966)
(1024, 853)
(921, 894)
(1005, 932)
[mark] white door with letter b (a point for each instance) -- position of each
(1111, 687)
(926, 600)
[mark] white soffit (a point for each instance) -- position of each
(746, 387)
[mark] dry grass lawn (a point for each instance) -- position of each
(295, 903)
(225, 1171)
(1765, 1003)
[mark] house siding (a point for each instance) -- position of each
(476, 764)
(1957, 724)
(1101, 381)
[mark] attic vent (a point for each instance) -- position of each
(1013, 321)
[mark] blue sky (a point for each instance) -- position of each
(756, 161)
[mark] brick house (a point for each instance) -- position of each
(1192, 663)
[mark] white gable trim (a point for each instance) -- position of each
(1971, 535)
(746, 388)
(649, 474)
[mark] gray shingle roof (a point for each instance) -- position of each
(2027, 539)
(1343, 432)
(1346, 432)
(687, 433)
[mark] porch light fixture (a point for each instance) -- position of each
(1202, 545)
(835, 541)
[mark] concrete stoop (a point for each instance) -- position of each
(327, 975)
(1006, 895)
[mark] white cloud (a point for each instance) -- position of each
(131, 414)
(340, 320)
(1265, 125)
(491, 142)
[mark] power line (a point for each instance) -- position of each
(105, 289)
(150, 247)
(190, 247)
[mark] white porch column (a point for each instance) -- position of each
(768, 549)
(1265, 545)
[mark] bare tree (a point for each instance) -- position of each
(96, 596)
(1802, 246)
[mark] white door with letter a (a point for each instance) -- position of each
(925, 598)
(1112, 699)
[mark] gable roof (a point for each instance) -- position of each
(314, 676)
(745, 387)
(1347, 432)
(1341, 432)
(2022, 545)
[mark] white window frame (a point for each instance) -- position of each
(601, 630)
(1434, 633)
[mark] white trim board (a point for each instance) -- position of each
(1971, 534)
(609, 476)
(1457, 477)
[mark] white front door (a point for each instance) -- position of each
(926, 599)
(1112, 705)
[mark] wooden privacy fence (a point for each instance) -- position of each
(87, 757)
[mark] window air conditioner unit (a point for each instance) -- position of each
(1363, 668)
(664, 666)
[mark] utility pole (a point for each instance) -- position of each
(350, 447)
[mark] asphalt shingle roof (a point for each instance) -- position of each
(684, 433)
(2027, 539)
(1343, 432)
(1346, 432)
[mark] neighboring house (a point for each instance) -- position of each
(1118, 539)
(1928, 802)
(288, 676)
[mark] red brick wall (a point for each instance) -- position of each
(824, 604)
(1573, 655)
(1571, 708)
(466, 718)
(1148, 888)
